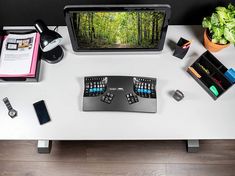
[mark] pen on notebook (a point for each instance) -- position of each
(187, 44)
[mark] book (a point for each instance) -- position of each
(19, 54)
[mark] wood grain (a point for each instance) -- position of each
(200, 170)
(13, 168)
(211, 152)
(129, 158)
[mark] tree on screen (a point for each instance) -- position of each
(118, 29)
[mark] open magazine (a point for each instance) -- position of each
(19, 55)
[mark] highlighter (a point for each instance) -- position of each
(214, 90)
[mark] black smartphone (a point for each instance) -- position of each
(41, 111)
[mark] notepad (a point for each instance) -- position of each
(19, 55)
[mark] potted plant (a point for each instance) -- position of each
(219, 28)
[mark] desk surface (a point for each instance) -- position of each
(197, 116)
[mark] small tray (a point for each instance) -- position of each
(208, 71)
(26, 79)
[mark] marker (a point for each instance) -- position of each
(187, 44)
(204, 69)
(214, 90)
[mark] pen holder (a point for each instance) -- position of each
(180, 52)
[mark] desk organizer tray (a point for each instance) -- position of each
(208, 71)
(26, 79)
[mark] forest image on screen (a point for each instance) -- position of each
(130, 29)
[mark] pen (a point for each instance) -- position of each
(187, 44)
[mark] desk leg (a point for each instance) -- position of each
(192, 146)
(44, 146)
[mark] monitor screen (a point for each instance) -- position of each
(113, 28)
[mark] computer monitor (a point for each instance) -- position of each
(117, 27)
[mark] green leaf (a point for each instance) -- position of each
(231, 15)
(215, 40)
(206, 23)
(222, 16)
(217, 32)
(215, 19)
(223, 41)
(222, 9)
(231, 24)
(229, 34)
(231, 7)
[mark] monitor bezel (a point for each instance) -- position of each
(113, 8)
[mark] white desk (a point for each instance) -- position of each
(197, 116)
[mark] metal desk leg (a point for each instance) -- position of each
(192, 146)
(44, 146)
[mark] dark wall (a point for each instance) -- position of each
(25, 12)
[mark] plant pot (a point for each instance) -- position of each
(209, 45)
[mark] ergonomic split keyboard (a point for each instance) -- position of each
(120, 93)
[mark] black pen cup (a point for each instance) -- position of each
(181, 49)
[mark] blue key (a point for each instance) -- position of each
(149, 91)
(91, 90)
(145, 90)
(141, 90)
(138, 90)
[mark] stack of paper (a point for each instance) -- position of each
(19, 55)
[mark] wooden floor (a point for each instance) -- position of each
(118, 158)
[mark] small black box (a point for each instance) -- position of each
(180, 51)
